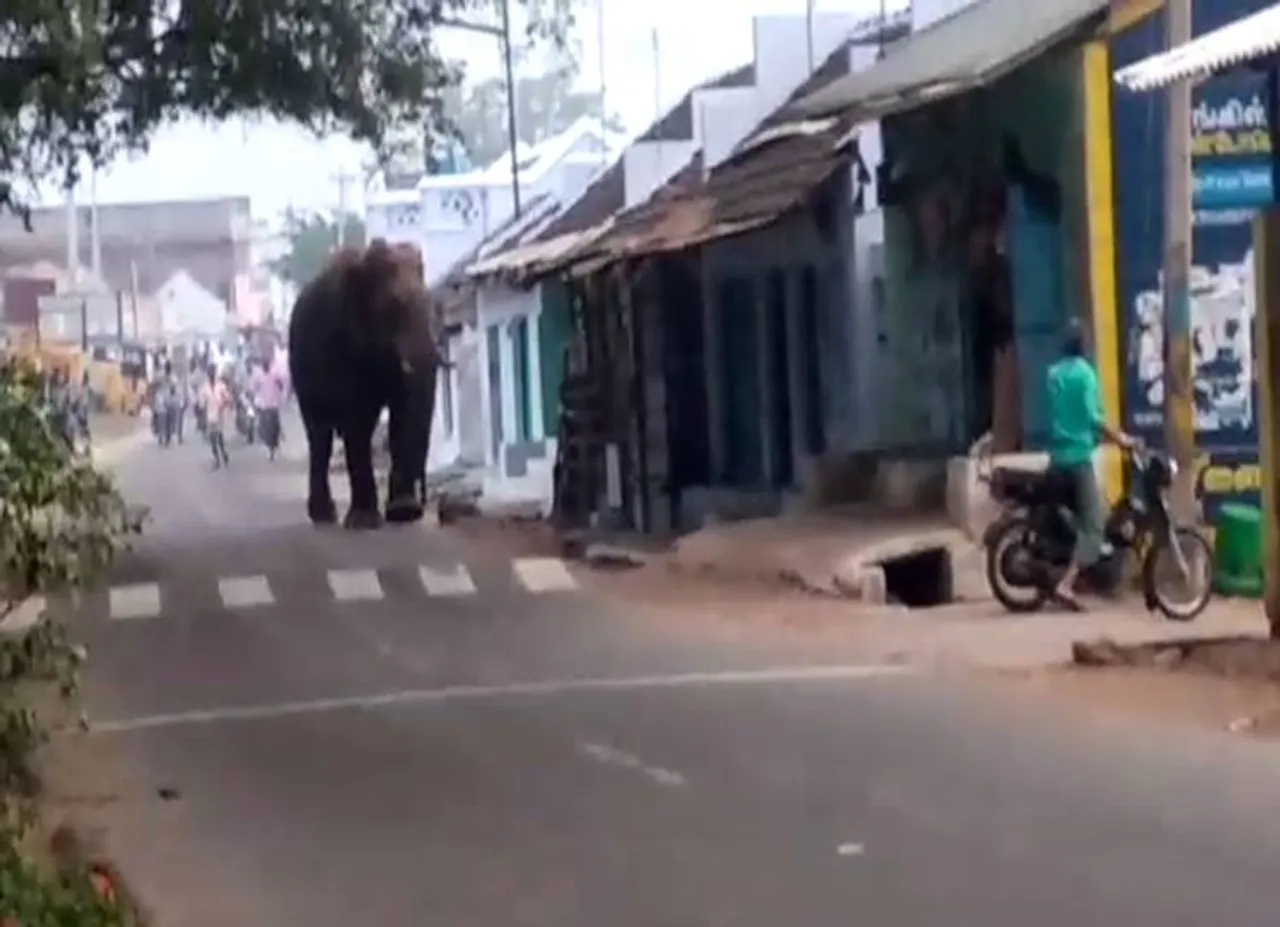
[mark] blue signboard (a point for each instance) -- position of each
(1231, 174)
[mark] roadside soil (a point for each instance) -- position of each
(1226, 684)
(109, 427)
(81, 782)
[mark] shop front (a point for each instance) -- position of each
(1231, 174)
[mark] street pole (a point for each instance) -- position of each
(344, 180)
(503, 34)
(509, 75)
(604, 87)
(1179, 408)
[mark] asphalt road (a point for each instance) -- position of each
(514, 754)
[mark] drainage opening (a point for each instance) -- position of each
(919, 580)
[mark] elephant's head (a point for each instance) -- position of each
(399, 317)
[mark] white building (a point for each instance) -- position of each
(189, 312)
(447, 216)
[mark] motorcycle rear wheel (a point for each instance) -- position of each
(1010, 541)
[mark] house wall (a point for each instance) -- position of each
(648, 165)
(789, 47)
(790, 246)
(517, 467)
(458, 426)
(921, 363)
(847, 264)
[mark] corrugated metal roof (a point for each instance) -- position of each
(1239, 43)
(966, 49)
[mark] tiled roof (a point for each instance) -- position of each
(774, 170)
(677, 124)
(605, 196)
(599, 208)
(782, 161)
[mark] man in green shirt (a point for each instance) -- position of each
(1078, 427)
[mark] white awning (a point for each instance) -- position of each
(1242, 41)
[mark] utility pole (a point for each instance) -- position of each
(503, 34)
(604, 87)
(344, 179)
(513, 133)
(1179, 407)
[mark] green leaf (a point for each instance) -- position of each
(311, 239)
(93, 79)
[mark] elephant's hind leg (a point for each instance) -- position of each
(357, 440)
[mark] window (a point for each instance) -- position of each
(521, 379)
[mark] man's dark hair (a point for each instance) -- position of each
(1073, 343)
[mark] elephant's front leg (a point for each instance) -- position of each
(320, 507)
(357, 441)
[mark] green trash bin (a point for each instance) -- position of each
(1237, 565)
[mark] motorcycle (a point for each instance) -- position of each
(1030, 545)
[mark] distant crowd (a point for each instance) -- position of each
(224, 392)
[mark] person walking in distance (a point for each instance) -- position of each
(218, 404)
(268, 397)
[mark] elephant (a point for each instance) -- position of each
(361, 340)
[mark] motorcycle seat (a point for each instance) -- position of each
(1017, 484)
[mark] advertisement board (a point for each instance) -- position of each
(1231, 180)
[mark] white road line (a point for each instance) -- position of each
(141, 600)
(785, 675)
(24, 617)
(455, 583)
(355, 585)
(544, 574)
(612, 756)
(245, 591)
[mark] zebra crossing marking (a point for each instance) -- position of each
(245, 591)
(355, 585)
(440, 583)
(140, 600)
(544, 574)
(535, 575)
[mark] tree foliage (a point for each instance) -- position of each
(311, 238)
(61, 523)
(546, 105)
(96, 76)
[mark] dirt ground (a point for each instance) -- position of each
(1230, 685)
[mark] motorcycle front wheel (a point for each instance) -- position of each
(1163, 575)
(1007, 556)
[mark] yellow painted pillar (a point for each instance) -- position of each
(1266, 264)
(1100, 205)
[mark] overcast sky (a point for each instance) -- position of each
(279, 167)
